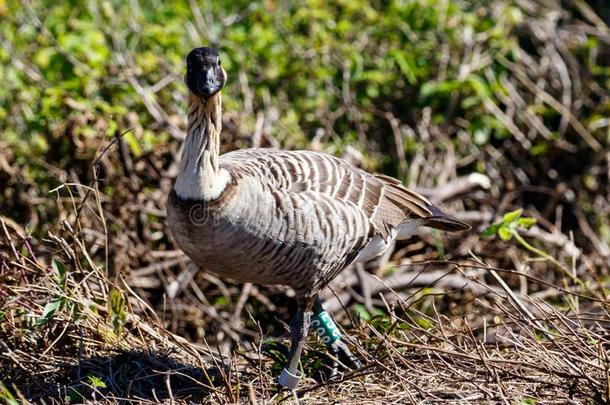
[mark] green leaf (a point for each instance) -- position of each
(96, 382)
(479, 85)
(6, 395)
(424, 323)
(49, 311)
(43, 57)
(362, 313)
(539, 149)
(511, 217)
(505, 233)
(526, 222)
(132, 141)
(407, 65)
(61, 273)
(380, 321)
(116, 311)
(432, 88)
(492, 230)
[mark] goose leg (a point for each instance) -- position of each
(299, 328)
(324, 325)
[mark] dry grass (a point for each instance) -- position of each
(471, 340)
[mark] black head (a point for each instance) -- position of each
(204, 75)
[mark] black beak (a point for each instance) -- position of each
(204, 83)
(207, 83)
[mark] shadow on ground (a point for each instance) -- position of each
(139, 376)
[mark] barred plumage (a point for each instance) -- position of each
(277, 217)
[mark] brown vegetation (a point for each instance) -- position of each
(98, 304)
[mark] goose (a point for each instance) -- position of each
(269, 216)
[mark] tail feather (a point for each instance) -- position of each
(442, 221)
(446, 224)
(414, 207)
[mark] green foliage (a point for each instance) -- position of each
(78, 393)
(362, 313)
(49, 310)
(424, 323)
(116, 311)
(60, 274)
(96, 382)
(6, 395)
(68, 66)
(509, 226)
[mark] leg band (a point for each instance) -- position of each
(326, 328)
(288, 380)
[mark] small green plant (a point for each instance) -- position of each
(60, 277)
(424, 323)
(60, 274)
(49, 311)
(380, 321)
(76, 394)
(6, 395)
(363, 313)
(116, 311)
(508, 228)
(96, 382)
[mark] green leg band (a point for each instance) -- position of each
(326, 328)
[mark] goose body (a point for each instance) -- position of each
(295, 218)
(268, 216)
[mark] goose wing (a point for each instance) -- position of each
(325, 179)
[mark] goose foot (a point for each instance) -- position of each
(340, 357)
(339, 353)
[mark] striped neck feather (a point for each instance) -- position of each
(200, 177)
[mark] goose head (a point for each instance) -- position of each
(204, 75)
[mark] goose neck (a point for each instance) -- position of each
(199, 175)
